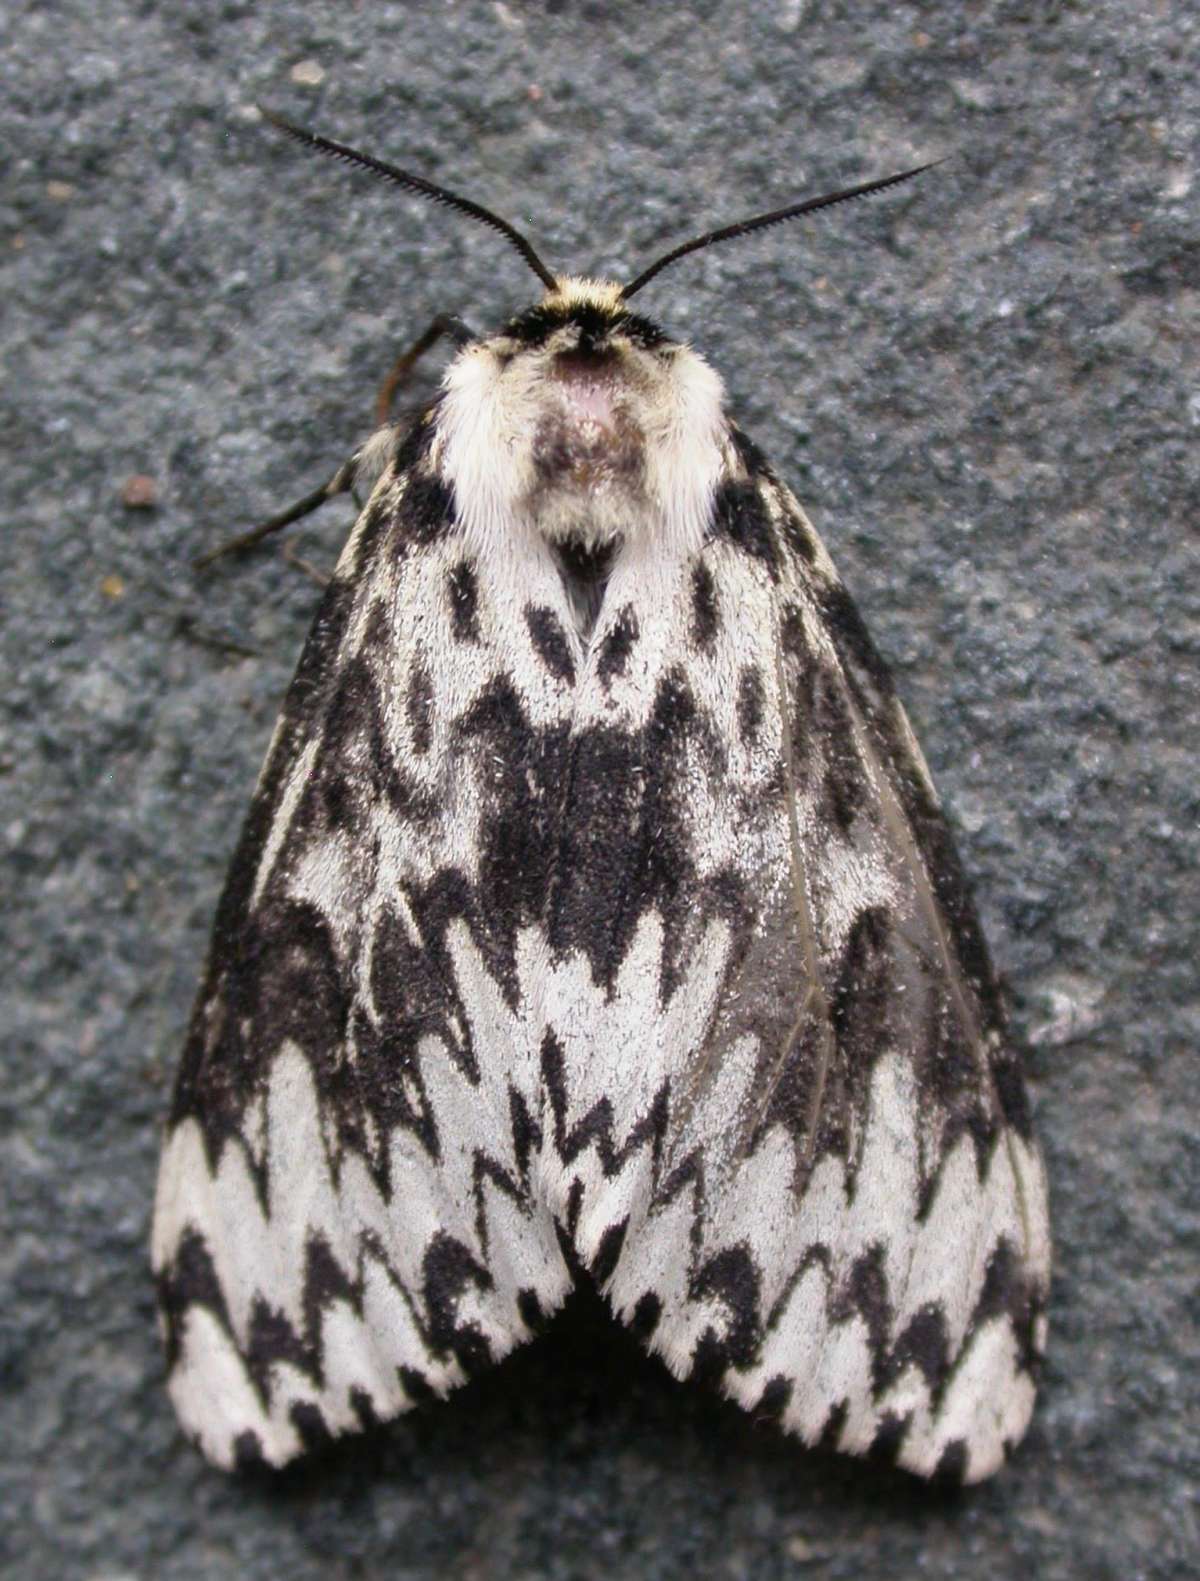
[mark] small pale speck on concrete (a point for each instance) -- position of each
(308, 73)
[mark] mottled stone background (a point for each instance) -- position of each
(985, 388)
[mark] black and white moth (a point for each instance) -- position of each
(595, 912)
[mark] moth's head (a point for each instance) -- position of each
(587, 410)
(580, 418)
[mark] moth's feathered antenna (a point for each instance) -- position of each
(776, 217)
(426, 189)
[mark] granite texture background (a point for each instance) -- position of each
(985, 389)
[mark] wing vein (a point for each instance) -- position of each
(815, 999)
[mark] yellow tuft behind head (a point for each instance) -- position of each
(571, 291)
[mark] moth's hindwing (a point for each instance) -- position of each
(650, 937)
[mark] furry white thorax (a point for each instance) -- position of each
(553, 440)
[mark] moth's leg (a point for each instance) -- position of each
(342, 481)
(445, 324)
(321, 578)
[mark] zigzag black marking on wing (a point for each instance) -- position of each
(449, 1269)
(595, 1129)
(485, 1170)
(730, 1276)
(863, 1293)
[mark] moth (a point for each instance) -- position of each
(595, 917)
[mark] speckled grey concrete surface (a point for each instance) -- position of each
(985, 387)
